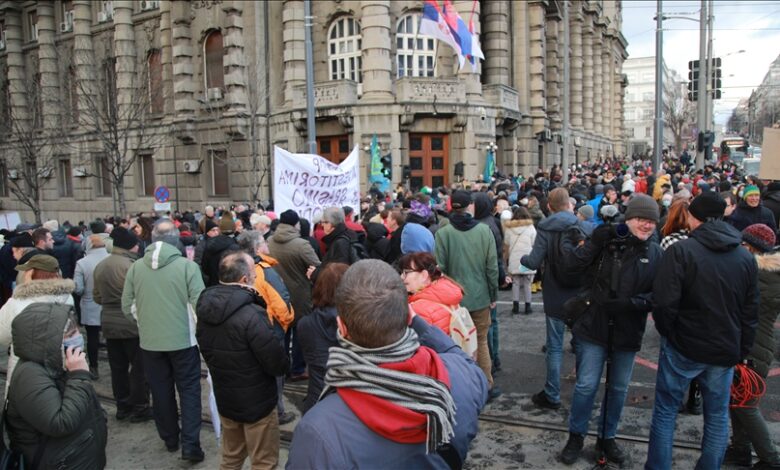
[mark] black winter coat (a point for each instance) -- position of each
(339, 245)
(771, 201)
(706, 296)
(241, 351)
(215, 248)
(637, 261)
(66, 252)
(744, 216)
(317, 334)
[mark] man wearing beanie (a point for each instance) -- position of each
(748, 426)
(620, 264)
(706, 310)
(216, 247)
(124, 352)
(296, 257)
(750, 211)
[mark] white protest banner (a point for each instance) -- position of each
(309, 183)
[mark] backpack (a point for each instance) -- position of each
(357, 251)
(565, 278)
(462, 330)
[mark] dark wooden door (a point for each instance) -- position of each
(428, 160)
(334, 148)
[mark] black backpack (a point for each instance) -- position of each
(357, 250)
(565, 278)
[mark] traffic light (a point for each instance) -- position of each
(459, 169)
(716, 75)
(693, 80)
(406, 172)
(387, 166)
(709, 139)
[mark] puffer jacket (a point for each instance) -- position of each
(553, 294)
(763, 351)
(432, 302)
(638, 262)
(56, 291)
(48, 404)
(271, 288)
(317, 334)
(84, 278)
(294, 255)
(109, 283)
(241, 351)
(658, 190)
(706, 296)
(519, 237)
(67, 253)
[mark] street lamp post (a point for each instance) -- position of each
(658, 131)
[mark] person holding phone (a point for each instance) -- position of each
(53, 414)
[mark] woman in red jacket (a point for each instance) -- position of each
(432, 295)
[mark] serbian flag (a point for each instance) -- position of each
(476, 51)
(434, 24)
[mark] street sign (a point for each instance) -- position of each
(162, 194)
(162, 206)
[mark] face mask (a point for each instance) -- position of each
(524, 202)
(666, 202)
(76, 341)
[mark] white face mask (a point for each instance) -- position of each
(666, 202)
(524, 201)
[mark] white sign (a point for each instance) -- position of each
(162, 206)
(309, 183)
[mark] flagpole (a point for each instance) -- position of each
(414, 45)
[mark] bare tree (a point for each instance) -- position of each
(26, 146)
(679, 113)
(737, 122)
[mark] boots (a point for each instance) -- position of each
(528, 310)
(739, 456)
(573, 448)
(610, 450)
(515, 307)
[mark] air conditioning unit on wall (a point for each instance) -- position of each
(192, 166)
(67, 25)
(214, 94)
(13, 174)
(147, 5)
(79, 171)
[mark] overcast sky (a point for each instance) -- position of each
(751, 25)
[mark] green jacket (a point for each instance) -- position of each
(469, 257)
(294, 255)
(48, 404)
(109, 283)
(161, 291)
(763, 351)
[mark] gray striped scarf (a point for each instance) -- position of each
(354, 367)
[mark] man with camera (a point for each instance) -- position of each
(608, 320)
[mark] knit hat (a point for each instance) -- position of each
(23, 240)
(460, 199)
(750, 190)
(423, 210)
(259, 219)
(289, 217)
(210, 224)
(42, 263)
(642, 206)
(707, 205)
(124, 238)
(586, 211)
(760, 237)
(226, 224)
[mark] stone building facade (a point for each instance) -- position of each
(639, 110)
(228, 79)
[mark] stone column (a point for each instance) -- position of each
(470, 73)
(377, 61)
(608, 79)
(83, 53)
(598, 75)
(537, 66)
(587, 74)
(294, 48)
(17, 79)
(127, 90)
(575, 60)
(234, 63)
(47, 65)
(495, 43)
(553, 74)
(183, 71)
(166, 57)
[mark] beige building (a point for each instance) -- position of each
(213, 85)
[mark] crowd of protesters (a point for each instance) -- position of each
(366, 305)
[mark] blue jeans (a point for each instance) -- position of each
(553, 357)
(675, 372)
(590, 364)
(493, 337)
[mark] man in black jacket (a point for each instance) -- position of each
(706, 310)
(216, 248)
(244, 358)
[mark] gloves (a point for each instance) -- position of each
(620, 305)
(601, 235)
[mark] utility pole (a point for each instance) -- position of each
(658, 136)
(710, 102)
(311, 129)
(566, 102)
(701, 100)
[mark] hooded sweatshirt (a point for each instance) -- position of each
(161, 290)
(48, 404)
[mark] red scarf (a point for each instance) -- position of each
(392, 421)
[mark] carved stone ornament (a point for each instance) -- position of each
(459, 122)
(207, 4)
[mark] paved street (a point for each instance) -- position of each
(513, 432)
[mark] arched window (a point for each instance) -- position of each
(344, 44)
(416, 53)
(213, 69)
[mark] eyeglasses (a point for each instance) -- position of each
(405, 272)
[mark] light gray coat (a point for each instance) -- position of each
(85, 282)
